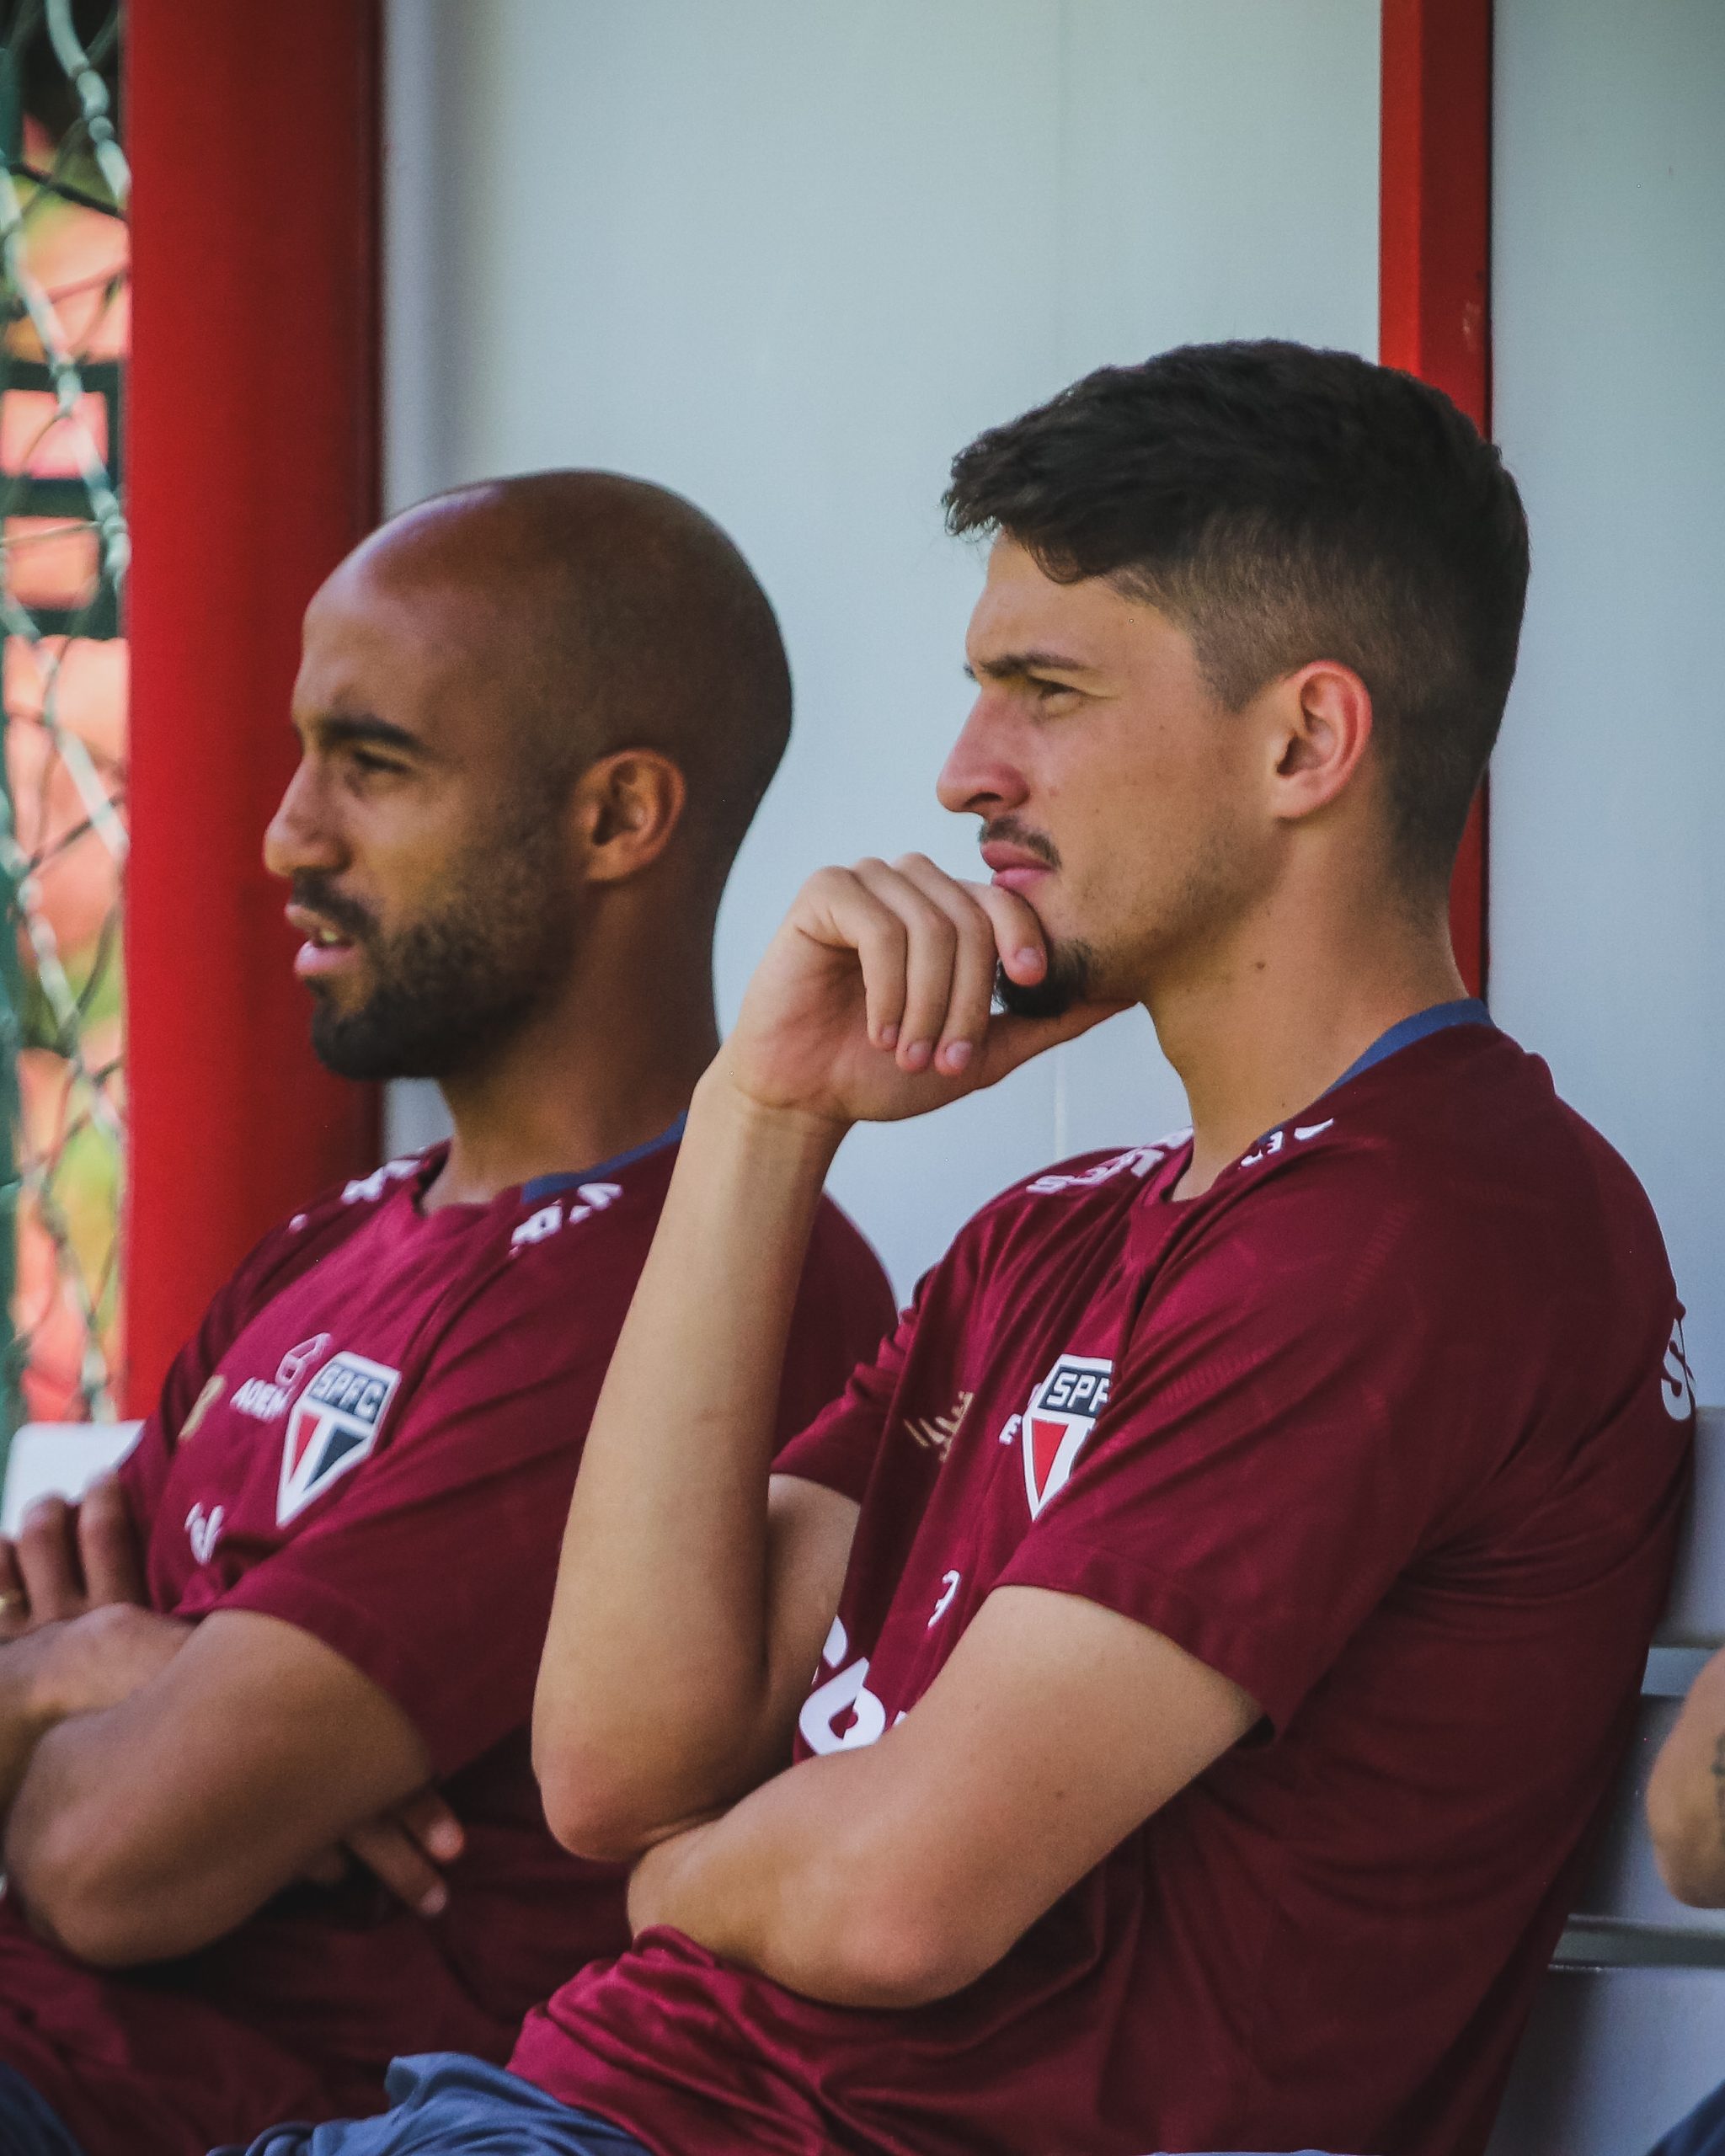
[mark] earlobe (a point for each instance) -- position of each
(628, 805)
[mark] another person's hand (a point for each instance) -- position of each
(405, 1848)
(873, 1001)
(67, 1562)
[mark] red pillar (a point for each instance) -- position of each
(252, 445)
(1434, 273)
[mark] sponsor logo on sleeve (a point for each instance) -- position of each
(333, 1427)
(1061, 1415)
(1676, 1378)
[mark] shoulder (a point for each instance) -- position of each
(1089, 1187)
(1459, 1150)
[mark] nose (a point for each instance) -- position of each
(301, 834)
(980, 777)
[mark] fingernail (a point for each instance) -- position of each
(447, 1840)
(1027, 957)
(889, 1036)
(917, 1055)
(957, 1055)
(433, 1901)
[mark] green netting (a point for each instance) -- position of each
(64, 280)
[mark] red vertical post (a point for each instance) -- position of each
(1434, 273)
(252, 450)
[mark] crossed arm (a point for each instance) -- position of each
(695, 1590)
(152, 1806)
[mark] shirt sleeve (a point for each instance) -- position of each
(840, 1447)
(845, 1311)
(143, 1473)
(1265, 1466)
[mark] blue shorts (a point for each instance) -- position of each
(1702, 2133)
(447, 2104)
(27, 2125)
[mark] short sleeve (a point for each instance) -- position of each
(844, 1311)
(144, 1470)
(840, 1447)
(1265, 1466)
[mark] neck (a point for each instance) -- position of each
(607, 1068)
(1261, 1029)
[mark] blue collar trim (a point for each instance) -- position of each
(1464, 1010)
(544, 1186)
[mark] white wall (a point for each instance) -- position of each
(1608, 899)
(787, 256)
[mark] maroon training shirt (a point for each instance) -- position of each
(1392, 1428)
(393, 1404)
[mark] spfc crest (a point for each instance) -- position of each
(1061, 1415)
(334, 1426)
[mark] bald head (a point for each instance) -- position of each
(611, 614)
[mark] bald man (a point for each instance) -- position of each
(265, 1698)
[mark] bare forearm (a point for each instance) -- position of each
(1686, 1797)
(656, 1664)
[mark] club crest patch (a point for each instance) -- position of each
(1061, 1415)
(334, 1426)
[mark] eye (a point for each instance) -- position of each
(1047, 693)
(369, 764)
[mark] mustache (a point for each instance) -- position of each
(317, 894)
(1009, 831)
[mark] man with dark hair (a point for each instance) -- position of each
(1227, 1591)
(267, 1687)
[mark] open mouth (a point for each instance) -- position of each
(326, 949)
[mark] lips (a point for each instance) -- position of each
(1014, 867)
(327, 948)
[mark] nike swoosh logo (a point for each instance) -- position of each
(1312, 1130)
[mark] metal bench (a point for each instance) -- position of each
(1629, 2031)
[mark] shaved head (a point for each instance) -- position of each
(612, 614)
(495, 691)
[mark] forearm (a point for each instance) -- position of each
(654, 1678)
(1686, 1795)
(816, 1880)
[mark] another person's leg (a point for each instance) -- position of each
(448, 2104)
(1702, 2133)
(28, 2126)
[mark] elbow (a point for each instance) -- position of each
(876, 1947)
(1688, 1844)
(79, 1902)
(595, 1811)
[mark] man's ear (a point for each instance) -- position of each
(1324, 723)
(626, 807)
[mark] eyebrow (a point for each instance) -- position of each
(345, 729)
(1016, 665)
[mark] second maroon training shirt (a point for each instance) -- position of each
(1391, 1427)
(374, 1437)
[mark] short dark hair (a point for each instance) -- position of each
(1285, 504)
